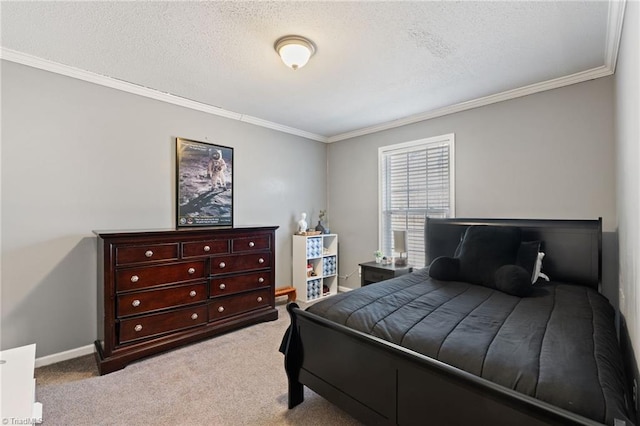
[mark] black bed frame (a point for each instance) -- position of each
(378, 382)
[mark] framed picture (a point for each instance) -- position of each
(204, 183)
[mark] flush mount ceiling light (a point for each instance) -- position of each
(294, 50)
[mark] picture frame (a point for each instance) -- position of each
(204, 184)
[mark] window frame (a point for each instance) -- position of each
(415, 145)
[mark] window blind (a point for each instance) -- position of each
(416, 181)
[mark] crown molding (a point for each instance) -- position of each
(282, 128)
(46, 65)
(579, 77)
(614, 32)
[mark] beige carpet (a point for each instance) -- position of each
(234, 379)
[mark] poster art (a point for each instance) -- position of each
(204, 184)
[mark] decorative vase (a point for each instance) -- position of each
(320, 227)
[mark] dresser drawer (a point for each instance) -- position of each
(239, 283)
(146, 253)
(238, 263)
(150, 276)
(153, 300)
(155, 324)
(376, 275)
(205, 248)
(227, 306)
(258, 242)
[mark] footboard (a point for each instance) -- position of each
(378, 382)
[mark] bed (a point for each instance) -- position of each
(416, 349)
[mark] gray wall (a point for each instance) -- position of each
(77, 157)
(548, 155)
(627, 106)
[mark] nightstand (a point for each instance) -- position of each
(372, 272)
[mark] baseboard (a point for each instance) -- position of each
(342, 289)
(63, 356)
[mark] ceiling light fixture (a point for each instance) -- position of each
(294, 50)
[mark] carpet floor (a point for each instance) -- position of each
(233, 379)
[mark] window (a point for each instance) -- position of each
(416, 181)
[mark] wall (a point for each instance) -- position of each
(627, 95)
(78, 157)
(548, 155)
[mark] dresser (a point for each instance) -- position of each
(162, 289)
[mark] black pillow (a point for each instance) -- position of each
(514, 280)
(485, 249)
(527, 256)
(459, 247)
(445, 268)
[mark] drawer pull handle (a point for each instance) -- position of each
(135, 303)
(222, 286)
(148, 253)
(191, 271)
(192, 293)
(207, 248)
(220, 309)
(135, 278)
(222, 264)
(194, 316)
(137, 327)
(259, 299)
(251, 244)
(261, 260)
(260, 280)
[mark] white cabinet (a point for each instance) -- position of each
(18, 402)
(315, 266)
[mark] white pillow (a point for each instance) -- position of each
(537, 269)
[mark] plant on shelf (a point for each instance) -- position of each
(378, 256)
(322, 226)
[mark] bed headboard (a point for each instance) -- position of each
(573, 248)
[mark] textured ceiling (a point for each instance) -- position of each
(376, 62)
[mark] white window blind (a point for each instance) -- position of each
(416, 181)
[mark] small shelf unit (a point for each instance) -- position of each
(315, 266)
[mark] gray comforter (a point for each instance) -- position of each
(559, 345)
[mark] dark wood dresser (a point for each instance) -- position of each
(163, 289)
